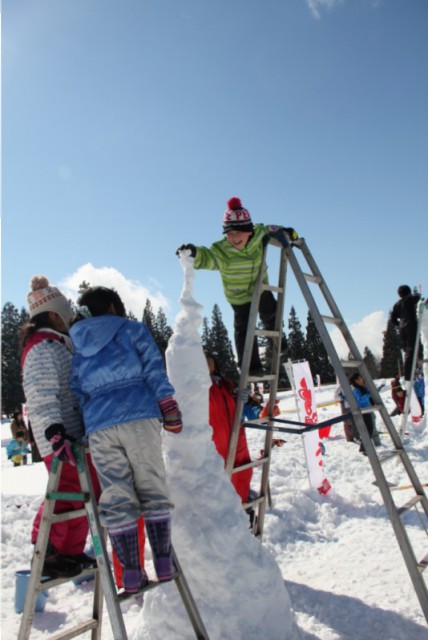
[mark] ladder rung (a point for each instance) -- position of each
(311, 278)
(55, 582)
(68, 515)
(351, 364)
(410, 504)
(72, 497)
(423, 564)
(371, 409)
(152, 584)
(266, 333)
(388, 455)
(331, 320)
(251, 465)
(270, 376)
(252, 503)
(271, 287)
(78, 630)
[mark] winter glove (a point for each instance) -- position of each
(291, 233)
(190, 247)
(60, 442)
(171, 415)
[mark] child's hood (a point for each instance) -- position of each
(91, 335)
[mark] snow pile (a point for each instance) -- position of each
(235, 581)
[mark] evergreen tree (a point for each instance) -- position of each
(392, 360)
(296, 339)
(221, 346)
(149, 318)
(163, 331)
(317, 354)
(12, 392)
(371, 363)
(206, 336)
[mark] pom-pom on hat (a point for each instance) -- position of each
(236, 217)
(43, 297)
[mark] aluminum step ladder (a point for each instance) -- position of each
(104, 586)
(312, 276)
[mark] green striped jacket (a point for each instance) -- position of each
(238, 268)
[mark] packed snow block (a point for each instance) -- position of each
(236, 583)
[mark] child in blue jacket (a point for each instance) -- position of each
(119, 377)
(17, 450)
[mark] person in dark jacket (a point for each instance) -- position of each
(119, 377)
(404, 316)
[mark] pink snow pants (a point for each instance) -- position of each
(68, 537)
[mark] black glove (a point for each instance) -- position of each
(60, 442)
(291, 233)
(190, 247)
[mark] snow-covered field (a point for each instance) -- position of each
(338, 555)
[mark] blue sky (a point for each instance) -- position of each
(127, 124)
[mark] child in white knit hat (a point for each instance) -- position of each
(55, 419)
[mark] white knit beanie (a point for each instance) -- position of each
(43, 297)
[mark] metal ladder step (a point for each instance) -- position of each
(409, 504)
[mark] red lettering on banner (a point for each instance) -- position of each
(311, 417)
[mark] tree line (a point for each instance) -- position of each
(298, 344)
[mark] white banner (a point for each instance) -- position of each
(307, 407)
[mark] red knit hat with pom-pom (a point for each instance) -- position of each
(236, 217)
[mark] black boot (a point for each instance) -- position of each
(59, 566)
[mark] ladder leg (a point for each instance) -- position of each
(188, 601)
(34, 585)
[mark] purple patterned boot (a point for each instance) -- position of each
(124, 540)
(158, 525)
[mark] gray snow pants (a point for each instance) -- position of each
(128, 459)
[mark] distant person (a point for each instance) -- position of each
(18, 424)
(253, 407)
(125, 394)
(222, 406)
(55, 419)
(364, 400)
(17, 449)
(239, 257)
(404, 316)
(419, 387)
(351, 432)
(398, 394)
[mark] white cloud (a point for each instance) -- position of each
(368, 332)
(133, 293)
(316, 5)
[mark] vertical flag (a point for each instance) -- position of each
(306, 405)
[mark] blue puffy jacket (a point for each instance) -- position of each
(118, 372)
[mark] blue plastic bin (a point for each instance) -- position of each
(22, 578)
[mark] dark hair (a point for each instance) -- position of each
(354, 377)
(19, 434)
(16, 414)
(403, 290)
(214, 359)
(99, 299)
(40, 321)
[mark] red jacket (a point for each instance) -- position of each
(222, 412)
(398, 394)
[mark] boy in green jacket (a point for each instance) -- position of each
(239, 257)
